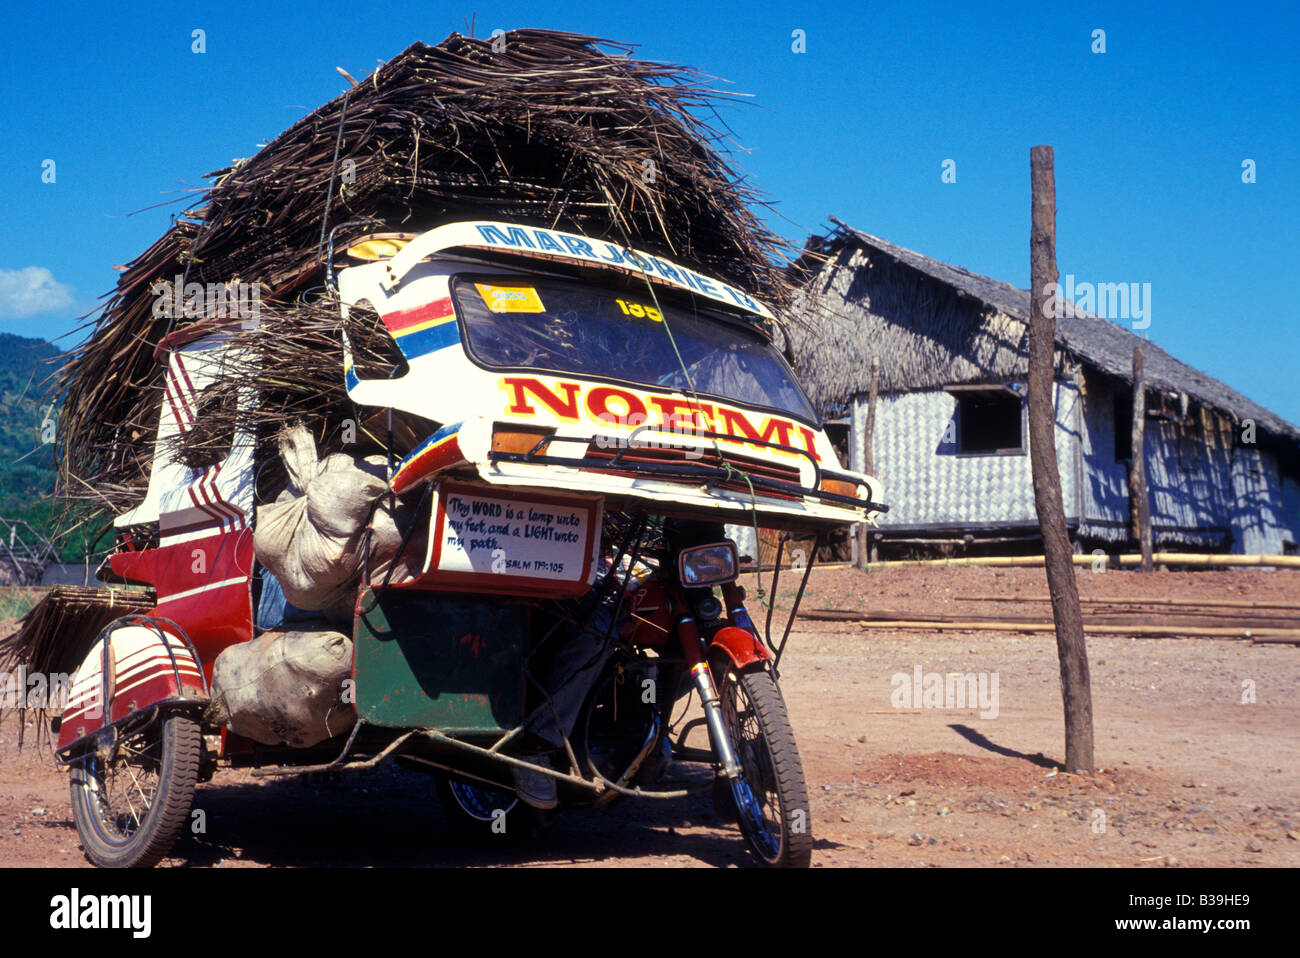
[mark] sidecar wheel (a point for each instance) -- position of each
(486, 812)
(130, 810)
(770, 798)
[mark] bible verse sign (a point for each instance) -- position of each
(513, 537)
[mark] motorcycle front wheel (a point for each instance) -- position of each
(131, 807)
(770, 796)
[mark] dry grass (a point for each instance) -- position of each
(553, 129)
(16, 601)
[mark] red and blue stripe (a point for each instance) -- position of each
(440, 451)
(424, 329)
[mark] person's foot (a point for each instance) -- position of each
(536, 788)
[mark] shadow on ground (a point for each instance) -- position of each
(981, 741)
(392, 818)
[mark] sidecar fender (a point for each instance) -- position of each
(136, 663)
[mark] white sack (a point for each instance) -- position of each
(284, 688)
(313, 542)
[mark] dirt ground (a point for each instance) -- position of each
(1195, 774)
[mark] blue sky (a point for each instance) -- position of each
(1150, 136)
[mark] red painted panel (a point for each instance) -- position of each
(204, 585)
(141, 680)
(401, 320)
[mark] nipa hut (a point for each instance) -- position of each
(950, 433)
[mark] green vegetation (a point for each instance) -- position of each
(26, 460)
(17, 601)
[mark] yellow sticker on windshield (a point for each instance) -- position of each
(510, 299)
(639, 310)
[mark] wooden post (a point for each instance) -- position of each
(1076, 686)
(1138, 503)
(865, 551)
(869, 462)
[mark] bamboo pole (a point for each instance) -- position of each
(1128, 600)
(1211, 561)
(873, 393)
(1170, 618)
(1076, 689)
(1164, 558)
(868, 457)
(1175, 619)
(1147, 631)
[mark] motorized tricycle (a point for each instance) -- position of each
(588, 418)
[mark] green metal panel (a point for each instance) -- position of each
(430, 661)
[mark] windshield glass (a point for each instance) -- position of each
(531, 323)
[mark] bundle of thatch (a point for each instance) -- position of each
(54, 637)
(535, 127)
(296, 351)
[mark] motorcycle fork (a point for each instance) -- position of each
(737, 614)
(694, 653)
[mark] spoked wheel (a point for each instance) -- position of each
(770, 798)
(482, 810)
(131, 802)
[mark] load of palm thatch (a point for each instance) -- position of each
(537, 127)
(51, 641)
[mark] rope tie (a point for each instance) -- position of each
(690, 388)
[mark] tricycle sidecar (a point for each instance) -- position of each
(561, 429)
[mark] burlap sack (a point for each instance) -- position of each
(284, 688)
(312, 542)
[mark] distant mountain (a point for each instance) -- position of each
(26, 462)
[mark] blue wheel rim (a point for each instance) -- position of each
(752, 813)
(480, 802)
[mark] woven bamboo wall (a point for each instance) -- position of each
(743, 536)
(927, 483)
(1291, 512)
(1105, 485)
(1189, 468)
(1265, 510)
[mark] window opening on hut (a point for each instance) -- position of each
(989, 422)
(1123, 426)
(838, 432)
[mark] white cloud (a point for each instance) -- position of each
(31, 291)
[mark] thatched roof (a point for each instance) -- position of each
(933, 325)
(536, 127)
